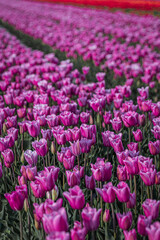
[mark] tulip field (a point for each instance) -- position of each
(79, 123)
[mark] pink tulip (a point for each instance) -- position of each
(75, 197)
(91, 218)
(124, 220)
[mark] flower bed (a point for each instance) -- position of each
(79, 152)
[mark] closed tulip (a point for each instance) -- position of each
(75, 197)
(151, 208)
(90, 182)
(130, 235)
(16, 200)
(153, 231)
(142, 224)
(107, 193)
(124, 220)
(91, 218)
(40, 147)
(56, 221)
(122, 191)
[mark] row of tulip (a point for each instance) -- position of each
(44, 97)
(85, 151)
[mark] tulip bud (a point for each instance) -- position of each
(37, 224)
(53, 148)
(106, 215)
(48, 196)
(26, 204)
(90, 120)
(55, 193)
(22, 157)
(4, 128)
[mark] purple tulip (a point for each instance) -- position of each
(124, 220)
(91, 218)
(16, 200)
(138, 135)
(107, 193)
(90, 182)
(75, 197)
(77, 232)
(142, 224)
(33, 128)
(31, 157)
(130, 235)
(153, 231)
(40, 147)
(122, 191)
(56, 221)
(151, 208)
(101, 171)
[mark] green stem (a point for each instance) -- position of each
(114, 221)
(148, 195)
(135, 190)
(20, 225)
(93, 235)
(130, 183)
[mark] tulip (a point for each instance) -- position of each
(84, 117)
(153, 231)
(46, 134)
(3, 144)
(107, 117)
(81, 170)
(75, 133)
(68, 163)
(31, 157)
(33, 128)
(122, 191)
(116, 124)
(107, 193)
(156, 132)
(130, 119)
(76, 150)
(106, 216)
(8, 157)
(102, 171)
(133, 146)
(121, 173)
(130, 235)
(13, 132)
(87, 131)
(16, 200)
(58, 235)
(142, 224)
(132, 200)
(75, 197)
(148, 176)
(124, 220)
(77, 232)
(56, 221)
(91, 218)
(85, 145)
(154, 147)
(90, 182)
(151, 208)
(131, 165)
(37, 189)
(138, 135)
(73, 178)
(31, 173)
(40, 147)
(47, 181)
